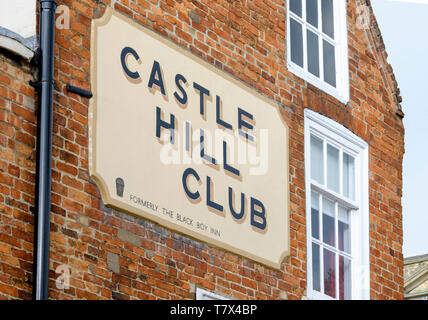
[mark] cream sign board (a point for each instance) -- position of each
(176, 141)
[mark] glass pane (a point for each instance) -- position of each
(317, 160)
(316, 284)
(296, 40)
(296, 7)
(312, 12)
(348, 176)
(328, 222)
(313, 54)
(344, 278)
(315, 224)
(333, 168)
(329, 62)
(344, 230)
(329, 273)
(327, 17)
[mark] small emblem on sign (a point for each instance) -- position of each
(120, 185)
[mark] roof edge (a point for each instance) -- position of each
(415, 259)
(25, 47)
(381, 56)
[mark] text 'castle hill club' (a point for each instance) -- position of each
(244, 129)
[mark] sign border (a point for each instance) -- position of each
(139, 213)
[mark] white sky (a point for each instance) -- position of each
(404, 26)
(19, 18)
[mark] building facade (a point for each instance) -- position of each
(321, 63)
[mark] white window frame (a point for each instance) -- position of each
(338, 135)
(341, 91)
(202, 294)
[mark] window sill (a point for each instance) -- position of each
(343, 97)
(314, 295)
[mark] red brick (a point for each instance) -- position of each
(247, 40)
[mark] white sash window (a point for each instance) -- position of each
(317, 44)
(336, 170)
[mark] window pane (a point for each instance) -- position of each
(348, 176)
(316, 284)
(333, 168)
(317, 160)
(344, 230)
(327, 17)
(296, 7)
(315, 225)
(329, 273)
(328, 222)
(329, 61)
(312, 12)
(313, 54)
(296, 40)
(344, 278)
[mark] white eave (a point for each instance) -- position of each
(9, 40)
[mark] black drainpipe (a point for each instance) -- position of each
(44, 150)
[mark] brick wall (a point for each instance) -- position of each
(17, 176)
(112, 255)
